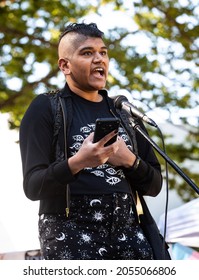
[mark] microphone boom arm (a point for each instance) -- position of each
(137, 127)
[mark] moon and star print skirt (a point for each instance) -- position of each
(100, 227)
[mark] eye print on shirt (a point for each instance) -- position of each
(76, 146)
(124, 137)
(103, 166)
(98, 173)
(111, 171)
(85, 129)
(112, 180)
(78, 138)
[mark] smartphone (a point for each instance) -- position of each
(104, 126)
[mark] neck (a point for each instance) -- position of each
(93, 96)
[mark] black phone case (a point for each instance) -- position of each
(103, 126)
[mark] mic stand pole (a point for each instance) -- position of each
(137, 127)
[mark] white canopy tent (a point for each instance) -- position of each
(182, 224)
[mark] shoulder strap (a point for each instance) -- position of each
(60, 115)
(66, 125)
(57, 123)
(65, 121)
(56, 110)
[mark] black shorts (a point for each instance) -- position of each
(100, 227)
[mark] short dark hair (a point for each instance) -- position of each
(90, 30)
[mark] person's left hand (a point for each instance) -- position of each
(123, 157)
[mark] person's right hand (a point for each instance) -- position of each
(92, 154)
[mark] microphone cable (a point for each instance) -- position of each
(167, 189)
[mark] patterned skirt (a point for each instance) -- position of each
(100, 227)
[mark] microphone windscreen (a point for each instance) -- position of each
(118, 101)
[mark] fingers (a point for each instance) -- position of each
(93, 154)
(101, 150)
(106, 138)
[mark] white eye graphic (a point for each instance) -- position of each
(98, 173)
(112, 180)
(103, 166)
(124, 137)
(120, 173)
(85, 129)
(92, 126)
(111, 171)
(76, 146)
(78, 138)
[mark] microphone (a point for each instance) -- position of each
(121, 102)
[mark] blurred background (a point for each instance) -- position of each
(153, 49)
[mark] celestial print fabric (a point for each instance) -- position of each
(98, 228)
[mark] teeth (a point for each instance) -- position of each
(99, 69)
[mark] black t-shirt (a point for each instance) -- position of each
(102, 179)
(45, 179)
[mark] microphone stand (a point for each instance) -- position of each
(137, 127)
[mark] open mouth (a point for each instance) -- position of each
(99, 70)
